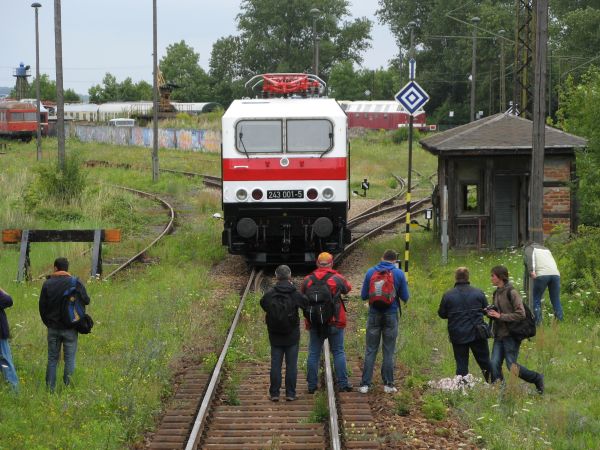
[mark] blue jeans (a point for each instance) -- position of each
(507, 348)
(291, 369)
(6, 364)
(336, 343)
(380, 326)
(539, 286)
(68, 340)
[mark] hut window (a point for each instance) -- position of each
(470, 196)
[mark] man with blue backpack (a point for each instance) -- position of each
(384, 286)
(59, 292)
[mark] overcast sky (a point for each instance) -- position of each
(116, 36)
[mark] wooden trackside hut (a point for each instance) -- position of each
(485, 166)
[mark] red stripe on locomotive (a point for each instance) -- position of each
(254, 169)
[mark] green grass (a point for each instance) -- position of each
(566, 417)
(124, 367)
(377, 158)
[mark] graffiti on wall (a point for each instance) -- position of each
(193, 140)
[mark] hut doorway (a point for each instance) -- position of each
(506, 211)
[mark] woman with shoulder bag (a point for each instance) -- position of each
(508, 308)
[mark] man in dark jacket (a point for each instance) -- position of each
(281, 303)
(6, 362)
(51, 311)
(382, 324)
(463, 306)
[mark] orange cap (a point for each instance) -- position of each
(325, 259)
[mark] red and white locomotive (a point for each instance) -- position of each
(285, 169)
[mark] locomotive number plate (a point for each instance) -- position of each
(285, 194)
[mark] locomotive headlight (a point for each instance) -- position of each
(312, 194)
(328, 193)
(241, 195)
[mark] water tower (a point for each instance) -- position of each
(22, 87)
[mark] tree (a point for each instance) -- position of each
(180, 66)
(578, 113)
(276, 36)
(344, 83)
(443, 46)
(48, 90)
(225, 70)
(126, 91)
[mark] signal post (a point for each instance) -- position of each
(412, 97)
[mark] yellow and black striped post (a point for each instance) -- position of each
(407, 233)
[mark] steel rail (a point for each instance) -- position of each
(165, 231)
(216, 374)
(334, 431)
(209, 180)
(419, 208)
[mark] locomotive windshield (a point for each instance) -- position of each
(267, 136)
(259, 136)
(309, 135)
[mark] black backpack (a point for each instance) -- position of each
(525, 328)
(282, 313)
(73, 310)
(321, 304)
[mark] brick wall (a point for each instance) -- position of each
(557, 199)
(557, 169)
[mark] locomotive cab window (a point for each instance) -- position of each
(309, 135)
(259, 136)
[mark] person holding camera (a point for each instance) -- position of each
(508, 307)
(463, 307)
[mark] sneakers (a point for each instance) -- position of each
(348, 388)
(363, 389)
(389, 389)
(274, 399)
(539, 384)
(289, 398)
(312, 391)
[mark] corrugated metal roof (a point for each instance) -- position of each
(497, 133)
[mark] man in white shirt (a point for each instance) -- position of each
(542, 269)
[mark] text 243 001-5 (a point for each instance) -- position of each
(285, 194)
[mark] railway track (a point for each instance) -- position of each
(202, 415)
(202, 418)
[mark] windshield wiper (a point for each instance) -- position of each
(330, 145)
(241, 135)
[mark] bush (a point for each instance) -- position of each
(401, 135)
(579, 263)
(64, 186)
(433, 407)
(404, 401)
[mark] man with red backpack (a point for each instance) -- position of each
(384, 287)
(326, 319)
